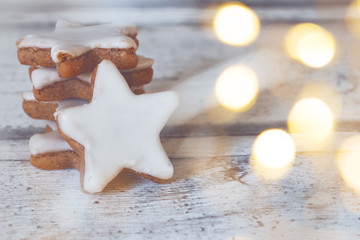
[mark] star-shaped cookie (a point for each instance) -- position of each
(117, 130)
(74, 48)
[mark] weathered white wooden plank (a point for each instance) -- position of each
(208, 198)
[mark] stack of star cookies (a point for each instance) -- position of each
(61, 63)
(63, 67)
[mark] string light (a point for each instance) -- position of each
(237, 87)
(352, 18)
(348, 162)
(310, 44)
(273, 154)
(312, 121)
(236, 24)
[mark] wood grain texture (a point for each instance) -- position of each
(212, 197)
(215, 192)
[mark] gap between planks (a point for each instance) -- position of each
(191, 147)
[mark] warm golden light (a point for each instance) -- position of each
(310, 44)
(273, 154)
(274, 149)
(348, 161)
(353, 18)
(236, 24)
(326, 92)
(316, 49)
(294, 36)
(311, 120)
(237, 87)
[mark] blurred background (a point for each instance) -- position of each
(272, 83)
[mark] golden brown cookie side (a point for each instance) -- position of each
(122, 58)
(70, 67)
(138, 77)
(48, 129)
(55, 160)
(73, 88)
(34, 56)
(40, 110)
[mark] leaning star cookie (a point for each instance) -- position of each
(48, 86)
(117, 130)
(78, 49)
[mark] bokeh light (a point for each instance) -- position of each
(311, 120)
(316, 49)
(237, 88)
(294, 36)
(274, 148)
(310, 44)
(236, 24)
(273, 154)
(348, 162)
(352, 18)
(326, 91)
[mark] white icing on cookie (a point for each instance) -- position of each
(52, 125)
(62, 23)
(119, 129)
(78, 40)
(42, 77)
(71, 102)
(47, 142)
(28, 96)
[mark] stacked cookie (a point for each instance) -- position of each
(62, 71)
(51, 91)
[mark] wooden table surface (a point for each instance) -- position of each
(214, 194)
